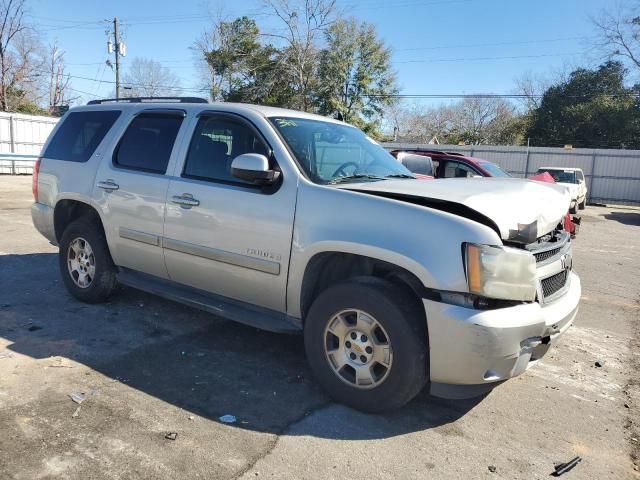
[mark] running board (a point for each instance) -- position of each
(254, 316)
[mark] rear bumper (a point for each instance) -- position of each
(42, 217)
(479, 348)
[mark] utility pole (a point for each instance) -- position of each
(116, 43)
(119, 49)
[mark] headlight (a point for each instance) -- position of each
(500, 272)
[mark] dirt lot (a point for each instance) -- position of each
(149, 366)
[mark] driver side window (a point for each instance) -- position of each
(215, 143)
(458, 170)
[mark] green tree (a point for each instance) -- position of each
(355, 77)
(241, 69)
(592, 109)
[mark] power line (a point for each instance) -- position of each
(477, 59)
(499, 95)
(456, 95)
(404, 4)
(497, 44)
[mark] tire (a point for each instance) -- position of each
(574, 209)
(94, 262)
(400, 318)
(583, 205)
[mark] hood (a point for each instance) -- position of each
(519, 210)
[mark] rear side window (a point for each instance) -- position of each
(147, 143)
(80, 134)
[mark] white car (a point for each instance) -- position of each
(573, 179)
(292, 222)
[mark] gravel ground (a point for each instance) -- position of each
(147, 367)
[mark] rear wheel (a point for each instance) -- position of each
(366, 343)
(85, 263)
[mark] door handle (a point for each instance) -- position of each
(185, 200)
(108, 185)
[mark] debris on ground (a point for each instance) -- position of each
(191, 417)
(600, 363)
(492, 468)
(228, 419)
(77, 397)
(171, 436)
(76, 414)
(562, 468)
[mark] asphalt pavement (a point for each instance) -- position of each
(145, 367)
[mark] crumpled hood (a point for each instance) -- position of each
(522, 210)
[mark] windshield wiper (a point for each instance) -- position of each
(399, 175)
(355, 176)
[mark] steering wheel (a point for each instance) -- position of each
(340, 170)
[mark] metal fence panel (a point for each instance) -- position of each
(611, 175)
(24, 134)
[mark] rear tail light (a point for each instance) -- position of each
(34, 179)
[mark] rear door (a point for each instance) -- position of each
(131, 187)
(224, 235)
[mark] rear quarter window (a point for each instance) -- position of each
(80, 134)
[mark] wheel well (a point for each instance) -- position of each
(328, 268)
(67, 211)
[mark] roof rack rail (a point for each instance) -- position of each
(149, 100)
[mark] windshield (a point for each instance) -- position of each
(331, 152)
(561, 176)
(494, 169)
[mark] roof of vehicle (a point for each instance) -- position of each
(564, 169)
(266, 111)
(439, 153)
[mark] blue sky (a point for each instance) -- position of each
(439, 46)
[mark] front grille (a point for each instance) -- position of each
(542, 256)
(554, 283)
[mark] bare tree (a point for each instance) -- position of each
(20, 55)
(58, 78)
(474, 120)
(304, 23)
(619, 31)
(148, 78)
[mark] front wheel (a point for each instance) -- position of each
(85, 263)
(583, 204)
(366, 342)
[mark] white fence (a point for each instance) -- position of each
(21, 139)
(613, 176)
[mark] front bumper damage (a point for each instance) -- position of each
(473, 350)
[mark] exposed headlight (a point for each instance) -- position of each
(500, 272)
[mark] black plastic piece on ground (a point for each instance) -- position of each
(565, 467)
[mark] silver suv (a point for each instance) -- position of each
(292, 222)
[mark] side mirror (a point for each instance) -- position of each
(253, 167)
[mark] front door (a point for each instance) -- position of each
(131, 189)
(222, 234)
